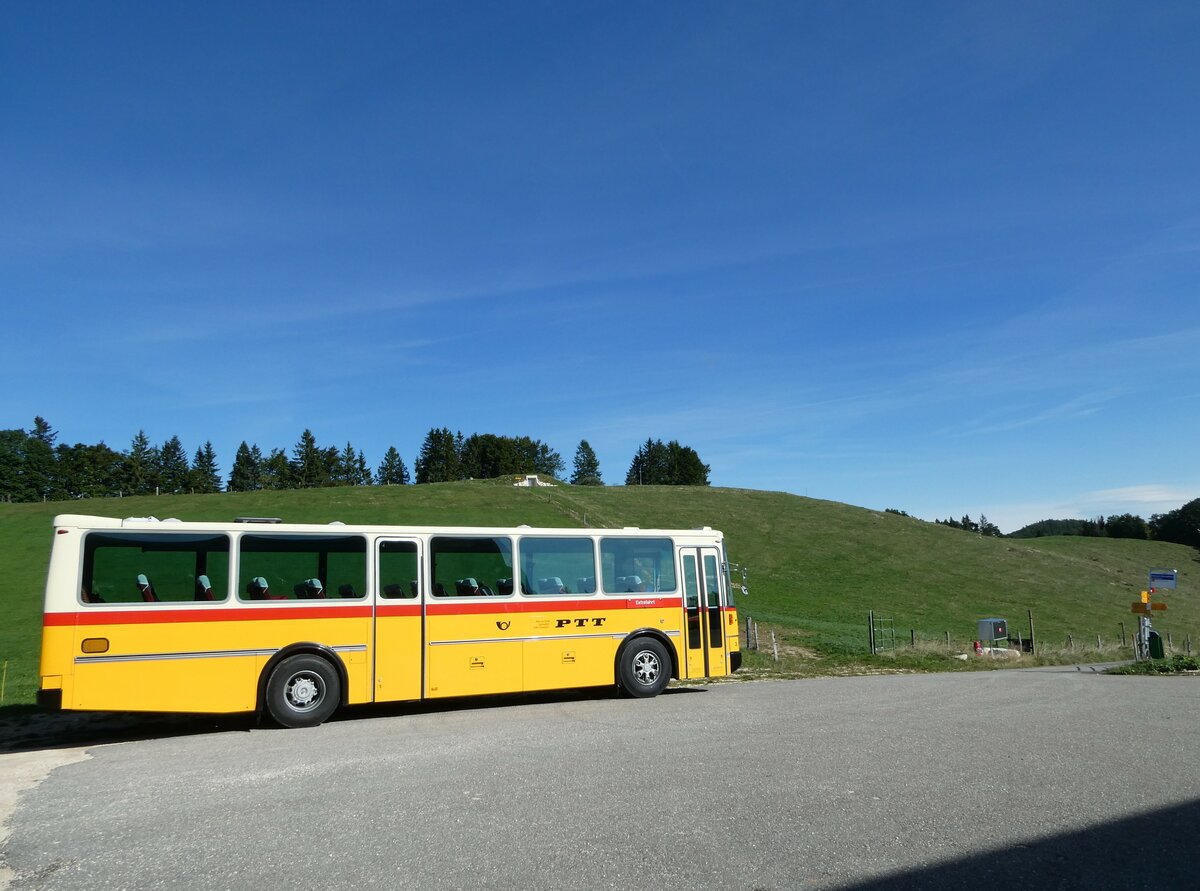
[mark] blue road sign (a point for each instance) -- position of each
(1163, 578)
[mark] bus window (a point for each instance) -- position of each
(633, 565)
(398, 569)
(134, 567)
(298, 567)
(470, 567)
(558, 566)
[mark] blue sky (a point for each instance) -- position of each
(940, 257)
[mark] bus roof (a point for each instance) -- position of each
(274, 524)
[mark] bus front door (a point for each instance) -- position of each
(704, 632)
(398, 620)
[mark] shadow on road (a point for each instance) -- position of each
(25, 728)
(1158, 850)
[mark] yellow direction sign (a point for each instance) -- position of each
(1139, 607)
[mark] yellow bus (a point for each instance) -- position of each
(295, 620)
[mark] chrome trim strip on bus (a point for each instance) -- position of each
(534, 638)
(206, 654)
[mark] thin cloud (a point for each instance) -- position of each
(1083, 406)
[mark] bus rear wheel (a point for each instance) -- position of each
(303, 691)
(645, 668)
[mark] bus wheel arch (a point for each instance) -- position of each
(645, 664)
(302, 685)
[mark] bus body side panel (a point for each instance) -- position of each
(207, 660)
(483, 647)
(56, 669)
(397, 651)
(470, 650)
(733, 643)
(575, 644)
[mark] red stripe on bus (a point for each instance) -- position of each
(398, 609)
(165, 616)
(337, 611)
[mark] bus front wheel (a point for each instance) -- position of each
(645, 668)
(303, 691)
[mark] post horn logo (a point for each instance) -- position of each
(503, 626)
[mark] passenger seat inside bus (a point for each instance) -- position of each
(467, 587)
(146, 589)
(309, 589)
(257, 589)
(203, 588)
(587, 585)
(552, 585)
(346, 591)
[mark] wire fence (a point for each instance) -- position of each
(882, 637)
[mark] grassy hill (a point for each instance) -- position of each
(815, 567)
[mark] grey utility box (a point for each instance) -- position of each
(993, 629)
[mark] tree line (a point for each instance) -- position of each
(35, 467)
(1180, 526)
(984, 526)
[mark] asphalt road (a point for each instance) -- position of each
(1046, 778)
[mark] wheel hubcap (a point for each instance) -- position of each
(304, 691)
(645, 668)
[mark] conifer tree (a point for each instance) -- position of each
(141, 466)
(672, 464)
(587, 466)
(347, 467)
(173, 467)
(12, 456)
(309, 463)
(246, 475)
(204, 476)
(362, 475)
(277, 471)
(392, 471)
(439, 460)
(40, 463)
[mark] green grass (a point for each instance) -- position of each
(1178, 664)
(815, 567)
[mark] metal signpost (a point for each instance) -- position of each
(1163, 579)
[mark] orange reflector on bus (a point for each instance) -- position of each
(95, 645)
